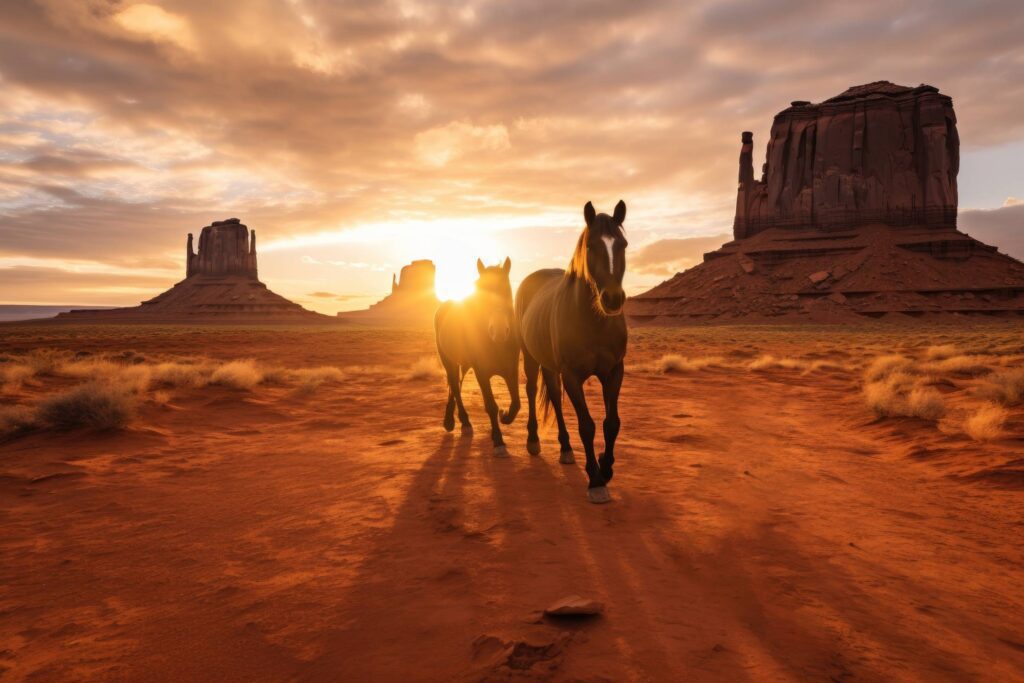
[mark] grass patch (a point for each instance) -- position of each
(98, 405)
(237, 374)
(673, 362)
(986, 423)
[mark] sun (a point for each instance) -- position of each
(454, 280)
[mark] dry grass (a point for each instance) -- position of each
(427, 367)
(900, 394)
(770, 362)
(1003, 386)
(189, 375)
(99, 405)
(883, 366)
(959, 365)
(986, 424)
(237, 374)
(16, 419)
(309, 379)
(13, 375)
(133, 378)
(941, 352)
(673, 362)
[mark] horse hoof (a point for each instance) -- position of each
(449, 426)
(500, 451)
(467, 429)
(533, 447)
(567, 457)
(599, 495)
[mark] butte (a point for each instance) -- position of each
(221, 285)
(412, 301)
(854, 217)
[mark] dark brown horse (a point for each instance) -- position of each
(572, 328)
(479, 334)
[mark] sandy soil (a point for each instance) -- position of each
(766, 525)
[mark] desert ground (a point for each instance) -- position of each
(804, 503)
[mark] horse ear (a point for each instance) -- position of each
(620, 212)
(589, 213)
(479, 267)
(507, 266)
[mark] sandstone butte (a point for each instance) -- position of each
(221, 285)
(412, 300)
(853, 217)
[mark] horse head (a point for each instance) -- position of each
(494, 287)
(600, 258)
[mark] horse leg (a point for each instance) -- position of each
(531, 367)
(554, 389)
(597, 492)
(610, 386)
(467, 428)
(512, 384)
(452, 373)
(492, 412)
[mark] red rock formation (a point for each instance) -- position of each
(877, 153)
(854, 217)
(412, 300)
(221, 285)
(225, 248)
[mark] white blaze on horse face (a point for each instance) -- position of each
(609, 242)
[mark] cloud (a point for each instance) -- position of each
(667, 257)
(323, 295)
(1003, 227)
(125, 125)
(1013, 201)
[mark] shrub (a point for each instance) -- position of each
(98, 405)
(237, 374)
(960, 365)
(14, 374)
(925, 403)
(769, 362)
(986, 424)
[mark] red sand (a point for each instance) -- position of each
(765, 526)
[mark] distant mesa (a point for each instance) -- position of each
(412, 301)
(221, 285)
(853, 217)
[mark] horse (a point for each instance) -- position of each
(571, 327)
(479, 334)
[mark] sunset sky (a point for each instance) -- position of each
(358, 136)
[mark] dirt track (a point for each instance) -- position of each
(764, 527)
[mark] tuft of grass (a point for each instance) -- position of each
(309, 379)
(960, 365)
(986, 424)
(99, 405)
(13, 375)
(673, 362)
(237, 374)
(180, 375)
(134, 378)
(898, 394)
(883, 366)
(425, 368)
(1005, 387)
(16, 419)
(926, 403)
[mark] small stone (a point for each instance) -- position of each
(819, 276)
(574, 605)
(837, 297)
(746, 263)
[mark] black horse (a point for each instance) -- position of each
(572, 328)
(479, 334)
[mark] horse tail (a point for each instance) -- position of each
(544, 411)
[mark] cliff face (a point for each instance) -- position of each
(877, 153)
(225, 248)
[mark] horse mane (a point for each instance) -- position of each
(578, 265)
